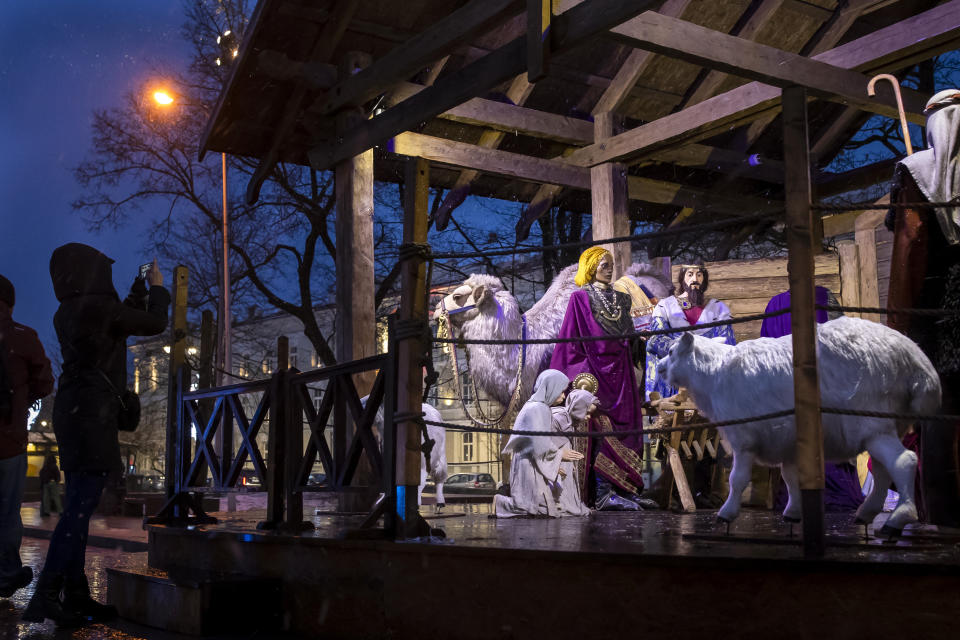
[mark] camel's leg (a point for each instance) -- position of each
(739, 479)
(792, 480)
(441, 503)
(901, 465)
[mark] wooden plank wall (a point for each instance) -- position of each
(746, 286)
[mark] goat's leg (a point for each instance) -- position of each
(792, 480)
(901, 464)
(739, 479)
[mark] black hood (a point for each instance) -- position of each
(77, 269)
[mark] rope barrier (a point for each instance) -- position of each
(622, 336)
(606, 434)
(936, 313)
(872, 206)
(914, 417)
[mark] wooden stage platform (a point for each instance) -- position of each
(653, 573)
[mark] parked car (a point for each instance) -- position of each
(475, 483)
(142, 482)
(248, 478)
(317, 480)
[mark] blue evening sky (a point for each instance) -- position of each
(60, 60)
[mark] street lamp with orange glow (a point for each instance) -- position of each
(164, 99)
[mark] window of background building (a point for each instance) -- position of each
(293, 356)
(468, 447)
(467, 386)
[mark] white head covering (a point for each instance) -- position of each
(548, 387)
(936, 169)
(535, 414)
(578, 403)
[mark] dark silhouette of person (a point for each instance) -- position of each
(92, 325)
(25, 377)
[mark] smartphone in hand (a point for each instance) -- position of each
(144, 271)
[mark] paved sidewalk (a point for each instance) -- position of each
(110, 532)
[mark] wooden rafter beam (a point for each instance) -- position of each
(504, 118)
(633, 67)
(831, 184)
(522, 167)
(714, 49)
(403, 61)
(569, 30)
(754, 25)
(321, 52)
(924, 35)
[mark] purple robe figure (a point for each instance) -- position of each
(616, 460)
(842, 486)
(778, 326)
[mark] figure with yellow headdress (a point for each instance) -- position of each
(613, 475)
(689, 307)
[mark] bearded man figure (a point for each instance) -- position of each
(925, 273)
(686, 308)
(613, 477)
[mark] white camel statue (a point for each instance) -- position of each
(482, 308)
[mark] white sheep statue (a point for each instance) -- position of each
(482, 308)
(437, 469)
(862, 364)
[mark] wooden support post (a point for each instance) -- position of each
(410, 347)
(849, 275)
(178, 444)
(276, 457)
(539, 14)
(800, 266)
(610, 197)
(355, 289)
(292, 425)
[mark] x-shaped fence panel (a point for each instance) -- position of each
(340, 466)
(225, 466)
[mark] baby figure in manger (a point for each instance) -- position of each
(542, 476)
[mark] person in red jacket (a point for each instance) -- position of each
(25, 377)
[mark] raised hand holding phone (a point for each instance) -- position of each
(154, 275)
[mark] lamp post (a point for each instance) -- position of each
(165, 99)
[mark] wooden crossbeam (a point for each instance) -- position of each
(714, 49)
(754, 25)
(916, 38)
(522, 167)
(409, 57)
(570, 29)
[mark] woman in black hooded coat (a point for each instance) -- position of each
(92, 325)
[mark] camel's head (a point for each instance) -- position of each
(480, 294)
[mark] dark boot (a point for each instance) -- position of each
(76, 598)
(45, 603)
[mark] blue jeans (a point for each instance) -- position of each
(68, 545)
(13, 473)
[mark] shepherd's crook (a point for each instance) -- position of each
(871, 91)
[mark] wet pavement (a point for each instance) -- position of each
(98, 560)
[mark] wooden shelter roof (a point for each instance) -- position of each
(446, 80)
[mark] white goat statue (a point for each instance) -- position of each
(862, 365)
(437, 469)
(482, 308)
